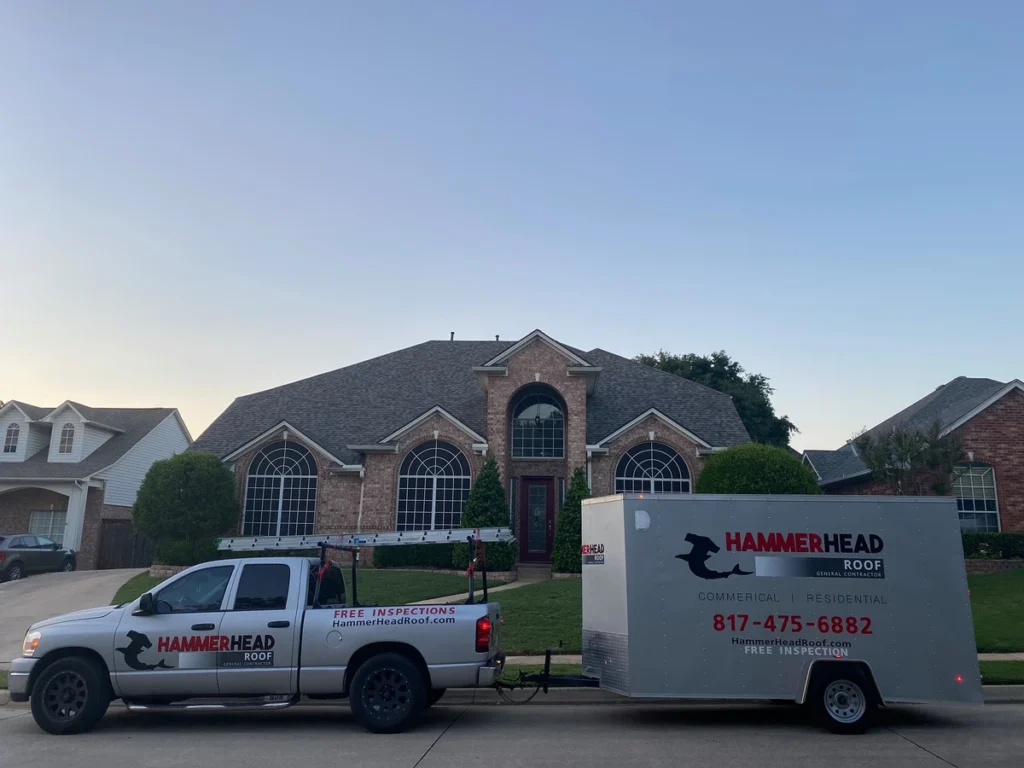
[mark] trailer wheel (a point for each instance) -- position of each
(387, 693)
(70, 696)
(842, 700)
(434, 695)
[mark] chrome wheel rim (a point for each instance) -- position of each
(15, 573)
(68, 567)
(65, 696)
(845, 701)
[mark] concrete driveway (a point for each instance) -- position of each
(35, 598)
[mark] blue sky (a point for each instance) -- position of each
(201, 202)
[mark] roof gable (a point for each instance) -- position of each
(537, 335)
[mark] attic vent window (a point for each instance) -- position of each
(11, 438)
(67, 438)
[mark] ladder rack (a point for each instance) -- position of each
(355, 540)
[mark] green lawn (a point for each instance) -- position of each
(997, 603)
(3, 679)
(541, 616)
(1002, 672)
(381, 587)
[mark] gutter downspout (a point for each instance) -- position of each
(590, 485)
(362, 486)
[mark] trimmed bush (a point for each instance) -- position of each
(486, 507)
(187, 552)
(414, 556)
(756, 468)
(993, 546)
(569, 533)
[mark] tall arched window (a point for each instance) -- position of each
(974, 486)
(652, 468)
(433, 485)
(538, 427)
(280, 492)
(67, 438)
(11, 438)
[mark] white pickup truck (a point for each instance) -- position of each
(256, 632)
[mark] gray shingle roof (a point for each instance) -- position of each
(136, 423)
(947, 403)
(364, 403)
(34, 412)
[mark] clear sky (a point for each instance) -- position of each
(202, 200)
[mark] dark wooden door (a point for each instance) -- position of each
(536, 519)
(121, 547)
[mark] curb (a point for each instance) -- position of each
(486, 697)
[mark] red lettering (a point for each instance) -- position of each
(765, 543)
(748, 542)
(161, 644)
(786, 543)
(190, 643)
(732, 541)
(225, 641)
(815, 543)
(801, 542)
(175, 645)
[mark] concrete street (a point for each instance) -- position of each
(35, 598)
(532, 735)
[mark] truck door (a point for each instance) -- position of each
(173, 652)
(262, 626)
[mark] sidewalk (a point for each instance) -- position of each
(461, 597)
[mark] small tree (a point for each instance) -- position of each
(910, 461)
(569, 533)
(183, 503)
(755, 468)
(485, 508)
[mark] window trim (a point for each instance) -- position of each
(403, 476)
(11, 438)
(649, 444)
(552, 398)
(67, 439)
(967, 468)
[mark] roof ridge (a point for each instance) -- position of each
(677, 377)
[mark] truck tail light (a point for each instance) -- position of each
(3, 556)
(483, 634)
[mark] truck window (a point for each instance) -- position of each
(263, 587)
(332, 587)
(197, 592)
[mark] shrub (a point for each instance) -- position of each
(185, 502)
(569, 533)
(486, 507)
(756, 468)
(993, 546)
(414, 555)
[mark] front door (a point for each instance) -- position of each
(536, 519)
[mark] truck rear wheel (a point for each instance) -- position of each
(387, 693)
(70, 696)
(843, 701)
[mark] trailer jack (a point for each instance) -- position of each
(539, 681)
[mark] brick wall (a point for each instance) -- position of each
(602, 470)
(992, 566)
(16, 507)
(995, 436)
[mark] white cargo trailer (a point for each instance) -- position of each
(842, 602)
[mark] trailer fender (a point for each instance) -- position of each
(862, 666)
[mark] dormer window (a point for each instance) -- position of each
(67, 438)
(11, 438)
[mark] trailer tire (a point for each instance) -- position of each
(433, 696)
(70, 696)
(843, 700)
(387, 693)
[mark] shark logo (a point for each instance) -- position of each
(701, 550)
(139, 643)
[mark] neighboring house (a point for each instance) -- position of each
(71, 473)
(988, 416)
(394, 443)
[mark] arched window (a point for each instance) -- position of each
(652, 468)
(974, 486)
(11, 438)
(538, 427)
(67, 438)
(280, 492)
(433, 485)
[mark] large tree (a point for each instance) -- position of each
(751, 392)
(913, 462)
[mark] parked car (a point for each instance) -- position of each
(25, 553)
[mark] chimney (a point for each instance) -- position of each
(452, 337)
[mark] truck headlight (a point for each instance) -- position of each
(30, 643)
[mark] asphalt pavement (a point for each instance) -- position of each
(504, 736)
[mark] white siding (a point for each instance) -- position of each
(66, 416)
(13, 416)
(93, 439)
(38, 439)
(125, 477)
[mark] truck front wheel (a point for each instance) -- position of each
(387, 693)
(70, 696)
(842, 701)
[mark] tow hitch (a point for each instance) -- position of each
(538, 681)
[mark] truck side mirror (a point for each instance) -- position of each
(147, 606)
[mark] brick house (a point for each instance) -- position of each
(71, 474)
(393, 443)
(988, 416)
